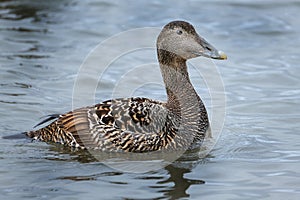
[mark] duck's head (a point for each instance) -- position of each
(181, 39)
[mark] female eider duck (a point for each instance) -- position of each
(141, 124)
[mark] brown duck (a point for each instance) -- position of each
(141, 124)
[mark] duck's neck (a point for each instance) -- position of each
(184, 105)
(180, 91)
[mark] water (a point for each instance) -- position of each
(43, 44)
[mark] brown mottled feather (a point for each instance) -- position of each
(140, 124)
(116, 125)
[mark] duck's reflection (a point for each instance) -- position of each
(173, 185)
(181, 184)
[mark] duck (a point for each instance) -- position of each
(139, 124)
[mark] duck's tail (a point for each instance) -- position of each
(15, 136)
(36, 134)
(32, 134)
(49, 118)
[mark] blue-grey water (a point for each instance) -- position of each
(257, 156)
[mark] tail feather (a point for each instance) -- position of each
(35, 134)
(50, 117)
(15, 136)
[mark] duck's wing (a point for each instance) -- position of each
(133, 124)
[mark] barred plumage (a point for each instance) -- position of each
(140, 124)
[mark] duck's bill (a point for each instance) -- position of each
(209, 51)
(218, 55)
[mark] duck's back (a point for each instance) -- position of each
(131, 124)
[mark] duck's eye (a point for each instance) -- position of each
(179, 32)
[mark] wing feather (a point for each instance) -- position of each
(134, 124)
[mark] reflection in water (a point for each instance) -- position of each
(181, 184)
(26, 47)
(173, 185)
(63, 153)
(19, 11)
(28, 9)
(16, 31)
(91, 177)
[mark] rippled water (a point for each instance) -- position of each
(43, 44)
